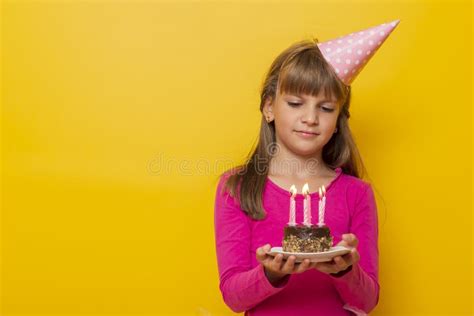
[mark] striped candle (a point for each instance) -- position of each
(322, 205)
(292, 221)
(307, 205)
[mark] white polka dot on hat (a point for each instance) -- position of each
(350, 48)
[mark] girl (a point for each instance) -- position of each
(304, 138)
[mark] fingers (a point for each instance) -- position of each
(354, 255)
(261, 252)
(289, 265)
(341, 263)
(276, 263)
(349, 240)
(337, 264)
(304, 265)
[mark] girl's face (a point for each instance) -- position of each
(303, 123)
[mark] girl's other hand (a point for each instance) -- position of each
(341, 263)
(276, 268)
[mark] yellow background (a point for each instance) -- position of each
(99, 97)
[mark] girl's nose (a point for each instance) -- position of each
(310, 118)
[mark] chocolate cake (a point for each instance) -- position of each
(302, 238)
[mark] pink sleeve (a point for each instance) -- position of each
(359, 288)
(242, 286)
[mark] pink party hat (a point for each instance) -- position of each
(349, 54)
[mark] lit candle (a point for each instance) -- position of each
(307, 205)
(322, 205)
(292, 206)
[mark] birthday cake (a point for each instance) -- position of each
(303, 238)
(307, 237)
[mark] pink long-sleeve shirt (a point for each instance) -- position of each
(350, 208)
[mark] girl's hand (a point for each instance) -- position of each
(341, 263)
(276, 268)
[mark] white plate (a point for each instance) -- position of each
(313, 256)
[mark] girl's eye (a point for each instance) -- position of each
(293, 104)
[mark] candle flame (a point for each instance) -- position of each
(320, 192)
(324, 191)
(305, 189)
(293, 190)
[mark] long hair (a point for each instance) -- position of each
(300, 69)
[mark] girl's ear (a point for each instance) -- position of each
(268, 110)
(268, 107)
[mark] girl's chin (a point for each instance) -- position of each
(305, 150)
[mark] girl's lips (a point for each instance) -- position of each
(306, 134)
